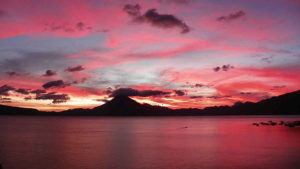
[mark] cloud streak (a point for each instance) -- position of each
(133, 92)
(232, 16)
(23, 91)
(56, 84)
(38, 91)
(49, 73)
(223, 68)
(179, 92)
(11, 74)
(74, 69)
(79, 26)
(5, 100)
(56, 98)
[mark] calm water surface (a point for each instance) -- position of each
(227, 142)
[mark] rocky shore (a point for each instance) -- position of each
(281, 123)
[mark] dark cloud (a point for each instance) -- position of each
(82, 26)
(75, 68)
(196, 97)
(132, 10)
(179, 92)
(216, 69)
(199, 85)
(23, 91)
(227, 67)
(245, 93)
(27, 98)
(224, 68)
(38, 91)
(5, 89)
(217, 97)
(133, 92)
(11, 73)
(58, 27)
(214, 97)
(279, 87)
(56, 84)
(256, 95)
(267, 59)
(79, 26)
(49, 73)
(232, 16)
(196, 85)
(164, 20)
(43, 95)
(56, 98)
(152, 17)
(5, 100)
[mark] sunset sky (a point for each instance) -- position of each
(61, 54)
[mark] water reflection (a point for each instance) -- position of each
(137, 142)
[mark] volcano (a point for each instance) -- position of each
(123, 105)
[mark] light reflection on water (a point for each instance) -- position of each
(229, 142)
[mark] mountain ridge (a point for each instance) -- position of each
(288, 103)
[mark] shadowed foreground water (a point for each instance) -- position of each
(228, 142)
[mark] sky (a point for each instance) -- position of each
(60, 54)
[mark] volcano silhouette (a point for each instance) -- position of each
(123, 105)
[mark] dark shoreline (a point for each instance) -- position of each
(95, 115)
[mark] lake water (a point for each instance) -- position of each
(223, 142)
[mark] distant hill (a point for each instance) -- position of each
(17, 110)
(124, 106)
(288, 103)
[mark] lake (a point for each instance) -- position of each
(217, 142)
